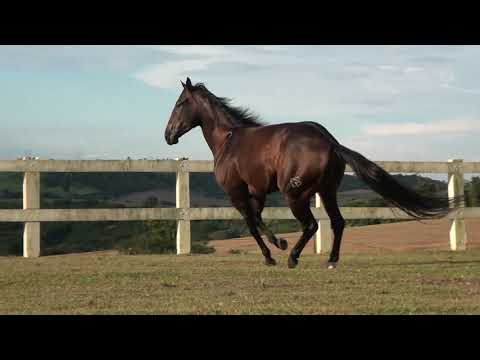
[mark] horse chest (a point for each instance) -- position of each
(226, 176)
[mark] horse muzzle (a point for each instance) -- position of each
(171, 138)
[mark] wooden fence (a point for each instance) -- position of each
(32, 215)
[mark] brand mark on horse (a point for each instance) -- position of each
(295, 182)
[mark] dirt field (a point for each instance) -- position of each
(403, 236)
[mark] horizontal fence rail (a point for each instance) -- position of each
(425, 167)
(193, 214)
(33, 216)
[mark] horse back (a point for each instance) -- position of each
(267, 158)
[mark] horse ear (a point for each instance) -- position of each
(183, 84)
(189, 83)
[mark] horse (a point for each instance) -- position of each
(253, 159)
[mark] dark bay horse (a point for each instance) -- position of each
(298, 159)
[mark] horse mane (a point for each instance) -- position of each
(240, 116)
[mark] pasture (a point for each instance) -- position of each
(375, 282)
(422, 275)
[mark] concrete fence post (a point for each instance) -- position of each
(458, 235)
(183, 203)
(324, 235)
(31, 200)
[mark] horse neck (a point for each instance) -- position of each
(215, 131)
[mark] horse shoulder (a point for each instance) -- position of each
(226, 174)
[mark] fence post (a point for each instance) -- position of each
(458, 235)
(323, 237)
(31, 200)
(183, 203)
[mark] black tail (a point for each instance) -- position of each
(414, 204)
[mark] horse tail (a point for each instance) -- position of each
(414, 204)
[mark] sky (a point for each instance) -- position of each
(112, 102)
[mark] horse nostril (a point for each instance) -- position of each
(168, 137)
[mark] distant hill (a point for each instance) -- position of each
(134, 189)
(107, 190)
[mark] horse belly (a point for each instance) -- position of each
(262, 185)
(259, 174)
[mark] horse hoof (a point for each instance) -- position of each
(292, 263)
(283, 244)
(270, 262)
(331, 265)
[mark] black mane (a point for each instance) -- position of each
(242, 117)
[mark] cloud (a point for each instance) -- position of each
(169, 74)
(388, 68)
(320, 69)
(324, 83)
(195, 58)
(462, 89)
(418, 148)
(219, 50)
(195, 50)
(416, 128)
(433, 59)
(412, 69)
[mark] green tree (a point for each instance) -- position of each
(474, 192)
(159, 236)
(67, 187)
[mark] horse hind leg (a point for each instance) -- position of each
(328, 194)
(329, 199)
(300, 207)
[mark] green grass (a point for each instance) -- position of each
(421, 282)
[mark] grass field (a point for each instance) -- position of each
(419, 282)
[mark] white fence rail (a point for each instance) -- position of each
(32, 215)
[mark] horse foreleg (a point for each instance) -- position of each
(241, 202)
(257, 203)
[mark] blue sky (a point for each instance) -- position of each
(110, 102)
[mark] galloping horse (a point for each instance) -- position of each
(298, 159)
